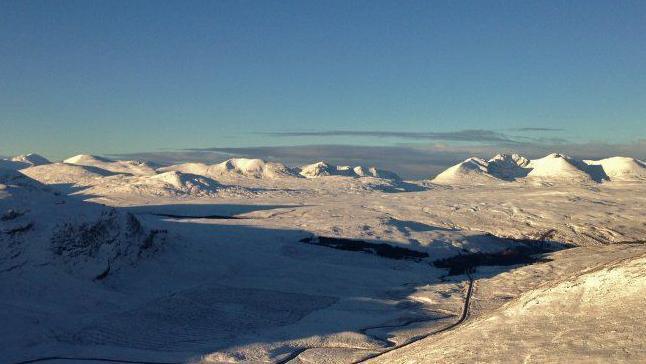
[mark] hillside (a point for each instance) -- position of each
(472, 170)
(23, 161)
(256, 168)
(621, 168)
(592, 316)
(129, 167)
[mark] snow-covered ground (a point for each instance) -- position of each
(249, 261)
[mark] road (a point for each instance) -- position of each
(464, 315)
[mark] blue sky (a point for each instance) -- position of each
(110, 77)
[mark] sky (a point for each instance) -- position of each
(141, 77)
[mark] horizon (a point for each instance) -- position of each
(429, 83)
(430, 168)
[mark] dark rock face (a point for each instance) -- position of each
(114, 239)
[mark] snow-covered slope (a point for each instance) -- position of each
(508, 166)
(172, 183)
(12, 177)
(555, 323)
(63, 173)
(95, 181)
(193, 168)
(321, 169)
(39, 226)
(472, 170)
(621, 168)
(23, 161)
(12, 165)
(256, 168)
(31, 159)
(129, 167)
(560, 167)
(362, 171)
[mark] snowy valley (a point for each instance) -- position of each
(249, 260)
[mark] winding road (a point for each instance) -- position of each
(463, 317)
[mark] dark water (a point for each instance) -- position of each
(467, 263)
(208, 217)
(380, 249)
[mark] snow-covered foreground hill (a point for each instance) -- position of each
(117, 261)
(585, 310)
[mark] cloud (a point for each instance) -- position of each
(166, 158)
(537, 129)
(471, 135)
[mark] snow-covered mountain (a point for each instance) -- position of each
(554, 167)
(621, 168)
(137, 168)
(322, 169)
(254, 168)
(23, 161)
(31, 159)
(258, 168)
(472, 170)
(362, 171)
(171, 183)
(560, 167)
(505, 167)
(87, 170)
(508, 166)
(63, 173)
(193, 168)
